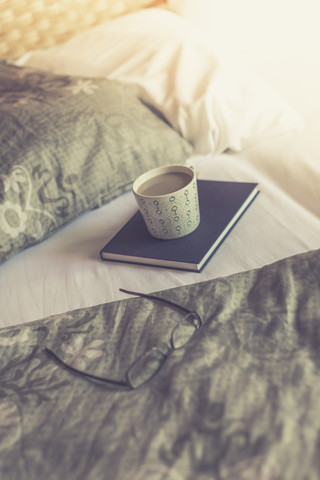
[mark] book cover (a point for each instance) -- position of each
(221, 206)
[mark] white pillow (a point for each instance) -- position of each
(215, 104)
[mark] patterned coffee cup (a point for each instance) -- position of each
(168, 201)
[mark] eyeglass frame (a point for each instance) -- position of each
(128, 385)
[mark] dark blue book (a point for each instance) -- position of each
(221, 206)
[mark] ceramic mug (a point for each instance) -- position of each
(168, 201)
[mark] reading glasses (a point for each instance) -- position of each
(147, 365)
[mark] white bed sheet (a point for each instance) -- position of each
(65, 272)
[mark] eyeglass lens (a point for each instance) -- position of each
(145, 367)
(184, 331)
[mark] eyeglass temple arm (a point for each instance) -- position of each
(153, 297)
(85, 374)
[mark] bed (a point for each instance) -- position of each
(92, 94)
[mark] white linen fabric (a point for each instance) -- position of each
(215, 104)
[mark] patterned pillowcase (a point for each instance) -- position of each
(68, 145)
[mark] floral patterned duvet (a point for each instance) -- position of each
(239, 401)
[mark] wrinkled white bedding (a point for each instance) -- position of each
(65, 272)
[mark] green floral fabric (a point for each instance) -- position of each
(239, 402)
(68, 145)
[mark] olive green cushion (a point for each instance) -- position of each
(68, 145)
